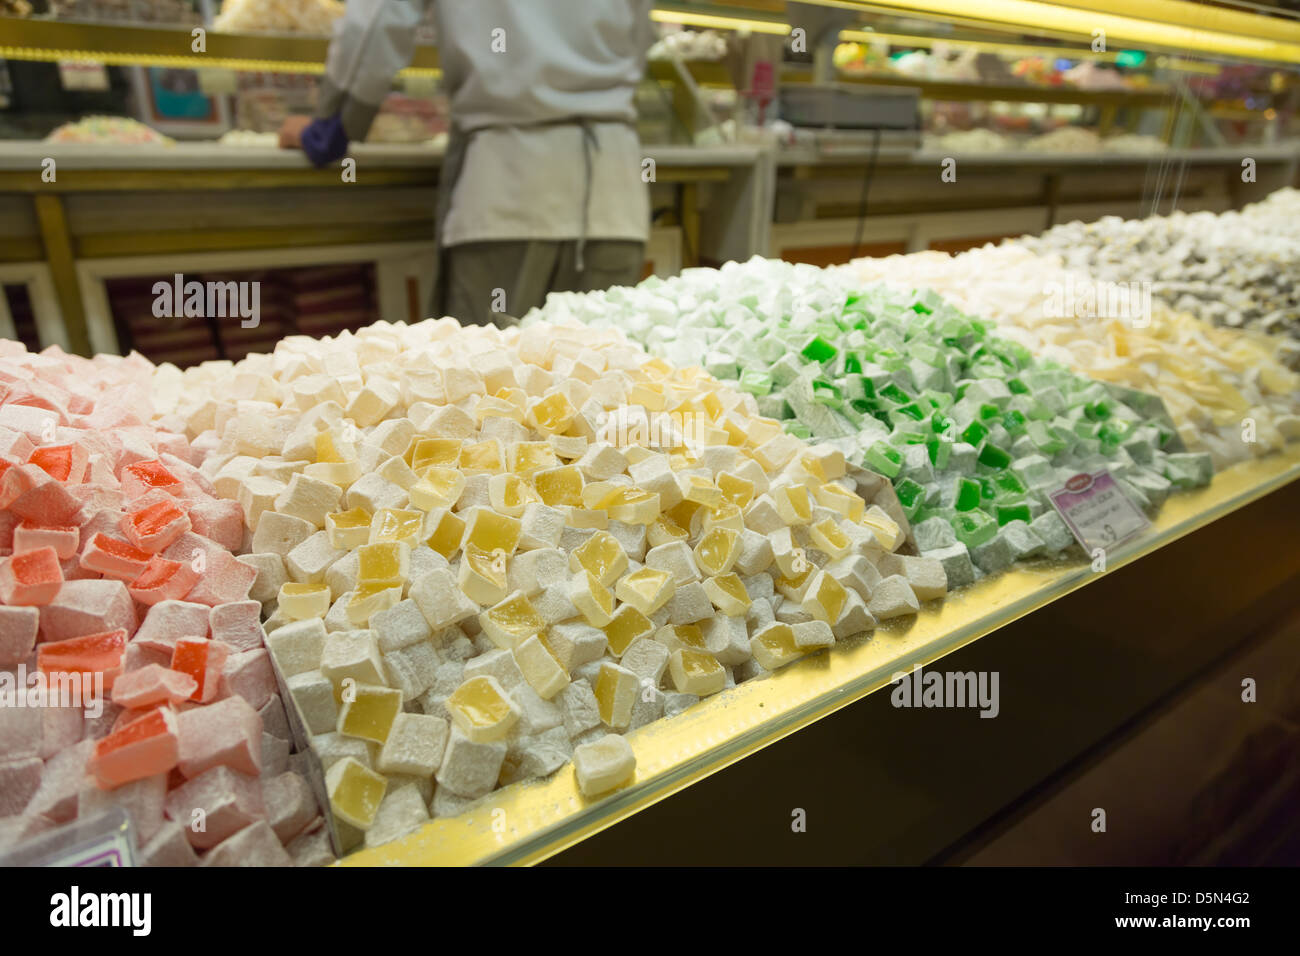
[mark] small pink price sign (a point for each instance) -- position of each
(1098, 512)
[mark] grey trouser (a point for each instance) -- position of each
(498, 282)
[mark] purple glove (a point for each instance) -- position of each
(324, 140)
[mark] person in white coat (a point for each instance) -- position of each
(541, 188)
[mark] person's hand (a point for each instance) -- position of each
(291, 131)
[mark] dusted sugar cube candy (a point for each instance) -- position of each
(774, 646)
(728, 594)
(215, 805)
(368, 600)
(601, 556)
(163, 580)
(645, 589)
(403, 809)
(824, 598)
(385, 562)
(400, 626)
(298, 647)
(87, 607)
(540, 668)
(482, 575)
(616, 689)
(168, 847)
(1053, 531)
(681, 637)
(627, 625)
(290, 804)
(511, 622)
(974, 528)
(647, 658)
(592, 598)
(579, 708)
(677, 559)
(30, 578)
(114, 558)
(345, 529)
(482, 710)
(352, 655)
(238, 624)
(491, 532)
(300, 601)
(690, 603)
(249, 675)
(313, 693)
(368, 712)
(957, 566)
(227, 733)
(255, 845)
(1010, 543)
(603, 765)
(925, 575)
(575, 643)
(884, 528)
(397, 525)
(437, 487)
(142, 476)
(814, 635)
(717, 551)
(30, 537)
(227, 580)
(143, 748)
(168, 620)
(893, 597)
(17, 634)
(280, 534)
(156, 526)
(441, 600)
(203, 660)
(727, 639)
(412, 669)
(88, 655)
(355, 792)
(415, 746)
(20, 779)
(696, 672)
(63, 463)
(826, 536)
(150, 685)
(470, 769)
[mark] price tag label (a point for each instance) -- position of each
(83, 75)
(214, 81)
(1098, 512)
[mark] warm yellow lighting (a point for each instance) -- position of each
(1022, 49)
(1033, 14)
(1200, 16)
(689, 18)
(991, 46)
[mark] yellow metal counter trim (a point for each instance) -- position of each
(530, 821)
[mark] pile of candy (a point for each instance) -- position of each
(1224, 388)
(131, 660)
(974, 432)
(483, 553)
(312, 17)
(115, 130)
(1238, 268)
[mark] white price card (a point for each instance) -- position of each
(83, 75)
(1098, 512)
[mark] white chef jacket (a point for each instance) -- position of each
(520, 75)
